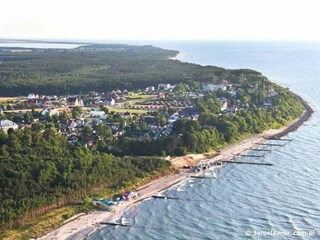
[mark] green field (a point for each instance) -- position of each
(125, 110)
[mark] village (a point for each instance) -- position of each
(140, 114)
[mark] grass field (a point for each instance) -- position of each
(11, 99)
(140, 96)
(130, 110)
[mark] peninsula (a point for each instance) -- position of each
(79, 125)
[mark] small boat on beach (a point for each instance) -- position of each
(105, 204)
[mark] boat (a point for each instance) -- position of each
(105, 204)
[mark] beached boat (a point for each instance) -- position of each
(105, 204)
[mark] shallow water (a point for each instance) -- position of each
(284, 197)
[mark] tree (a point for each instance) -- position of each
(76, 112)
(104, 132)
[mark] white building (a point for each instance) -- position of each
(214, 87)
(174, 117)
(272, 93)
(165, 86)
(5, 125)
(224, 104)
(97, 113)
(50, 111)
(32, 96)
(108, 102)
(150, 89)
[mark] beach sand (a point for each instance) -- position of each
(78, 228)
(179, 56)
(81, 226)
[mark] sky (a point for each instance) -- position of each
(160, 19)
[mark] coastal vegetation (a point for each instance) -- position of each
(99, 68)
(40, 170)
(213, 130)
(55, 160)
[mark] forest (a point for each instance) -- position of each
(40, 169)
(98, 68)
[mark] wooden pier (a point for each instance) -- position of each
(164, 197)
(202, 177)
(271, 144)
(251, 163)
(251, 155)
(115, 224)
(280, 139)
(261, 150)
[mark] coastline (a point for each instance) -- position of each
(82, 226)
(179, 56)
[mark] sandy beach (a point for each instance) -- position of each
(179, 56)
(81, 226)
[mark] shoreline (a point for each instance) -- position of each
(178, 57)
(82, 226)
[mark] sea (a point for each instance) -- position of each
(281, 201)
(241, 201)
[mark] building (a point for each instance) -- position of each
(108, 101)
(161, 95)
(32, 96)
(97, 113)
(213, 87)
(5, 125)
(50, 111)
(130, 195)
(272, 93)
(224, 104)
(39, 102)
(174, 117)
(150, 89)
(165, 86)
(224, 82)
(75, 101)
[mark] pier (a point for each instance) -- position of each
(164, 197)
(251, 155)
(279, 139)
(252, 163)
(202, 177)
(115, 224)
(260, 150)
(271, 144)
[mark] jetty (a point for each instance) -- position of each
(202, 177)
(164, 197)
(251, 155)
(251, 163)
(260, 150)
(115, 224)
(279, 139)
(271, 144)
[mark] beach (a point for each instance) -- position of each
(179, 56)
(79, 227)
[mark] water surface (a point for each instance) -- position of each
(245, 198)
